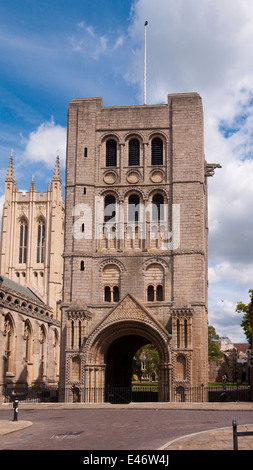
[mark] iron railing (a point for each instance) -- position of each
(136, 394)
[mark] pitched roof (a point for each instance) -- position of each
(9, 284)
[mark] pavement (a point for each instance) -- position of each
(215, 439)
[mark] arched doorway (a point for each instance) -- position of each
(110, 355)
(118, 373)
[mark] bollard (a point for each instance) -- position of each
(235, 441)
(15, 406)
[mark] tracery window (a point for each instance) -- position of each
(23, 238)
(41, 234)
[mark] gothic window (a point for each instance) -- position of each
(133, 208)
(23, 236)
(134, 152)
(41, 241)
(109, 209)
(157, 151)
(111, 152)
(157, 207)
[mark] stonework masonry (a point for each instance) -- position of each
(163, 286)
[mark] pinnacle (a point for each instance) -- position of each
(10, 171)
(57, 173)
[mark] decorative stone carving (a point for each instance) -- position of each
(110, 177)
(133, 176)
(157, 176)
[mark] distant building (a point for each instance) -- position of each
(234, 362)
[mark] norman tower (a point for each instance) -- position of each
(135, 254)
(32, 238)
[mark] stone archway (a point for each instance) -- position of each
(110, 349)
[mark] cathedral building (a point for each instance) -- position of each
(31, 270)
(136, 247)
(32, 237)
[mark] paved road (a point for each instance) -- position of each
(112, 429)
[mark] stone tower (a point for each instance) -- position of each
(135, 254)
(32, 237)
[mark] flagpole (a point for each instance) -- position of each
(145, 60)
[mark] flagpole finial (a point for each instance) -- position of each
(145, 60)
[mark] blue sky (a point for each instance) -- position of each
(54, 51)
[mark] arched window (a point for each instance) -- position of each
(111, 152)
(151, 294)
(82, 266)
(109, 210)
(134, 152)
(157, 151)
(107, 294)
(23, 235)
(133, 208)
(158, 207)
(41, 234)
(116, 294)
(159, 293)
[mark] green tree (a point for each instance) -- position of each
(214, 352)
(151, 360)
(245, 310)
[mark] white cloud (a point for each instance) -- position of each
(43, 144)
(205, 46)
(119, 42)
(86, 41)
